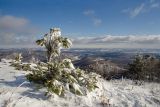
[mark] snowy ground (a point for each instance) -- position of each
(15, 91)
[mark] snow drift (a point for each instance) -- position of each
(16, 91)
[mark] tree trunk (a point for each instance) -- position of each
(49, 58)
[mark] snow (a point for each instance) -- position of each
(16, 91)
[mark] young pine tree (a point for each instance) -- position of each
(58, 75)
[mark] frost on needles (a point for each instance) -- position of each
(59, 75)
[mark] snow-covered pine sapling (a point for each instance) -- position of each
(18, 57)
(18, 64)
(59, 75)
(17, 61)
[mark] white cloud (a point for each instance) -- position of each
(16, 31)
(10, 22)
(125, 10)
(89, 12)
(109, 41)
(155, 5)
(151, 1)
(137, 10)
(142, 8)
(97, 22)
(92, 15)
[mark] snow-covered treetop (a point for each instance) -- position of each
(54, 42)
(55, 31)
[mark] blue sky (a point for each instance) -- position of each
(80, 19)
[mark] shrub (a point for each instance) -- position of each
(144, 67)
(59, 75)
(18, 57)
(18, 64)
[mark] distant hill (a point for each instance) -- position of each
(105, 68)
